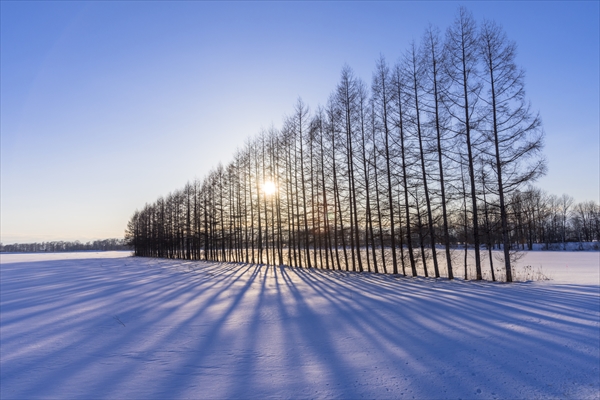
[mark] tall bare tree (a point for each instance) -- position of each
(512, 130)
(461, 62)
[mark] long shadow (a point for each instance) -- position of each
(472, 311)
(66, 320)
(155, 328)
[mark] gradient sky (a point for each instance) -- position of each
(108, 105)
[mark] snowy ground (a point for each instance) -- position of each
(105, 325)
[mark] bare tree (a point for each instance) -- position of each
(415, 71)
(435, 86)
(463, 56)
(400, 91)
(346, 96)
(513, 132)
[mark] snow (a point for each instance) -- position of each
(566, 266)
(106, 325)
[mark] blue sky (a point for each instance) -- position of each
(108, 105)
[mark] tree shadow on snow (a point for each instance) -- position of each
(155, 328)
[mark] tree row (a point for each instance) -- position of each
(58, 246)
(436, 152)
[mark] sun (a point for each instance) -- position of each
(269, 188)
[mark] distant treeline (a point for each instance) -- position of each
(98, 245)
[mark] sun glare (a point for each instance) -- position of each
(269, 188)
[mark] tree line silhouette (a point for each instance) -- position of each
(58, 246)
(436, 154)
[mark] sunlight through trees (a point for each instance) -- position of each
(436, 154)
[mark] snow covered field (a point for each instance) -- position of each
(105, 325)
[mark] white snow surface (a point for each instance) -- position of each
(581, 267)
(107, 325)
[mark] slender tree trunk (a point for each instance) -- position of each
(416, 79)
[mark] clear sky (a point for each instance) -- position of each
(108, 105)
